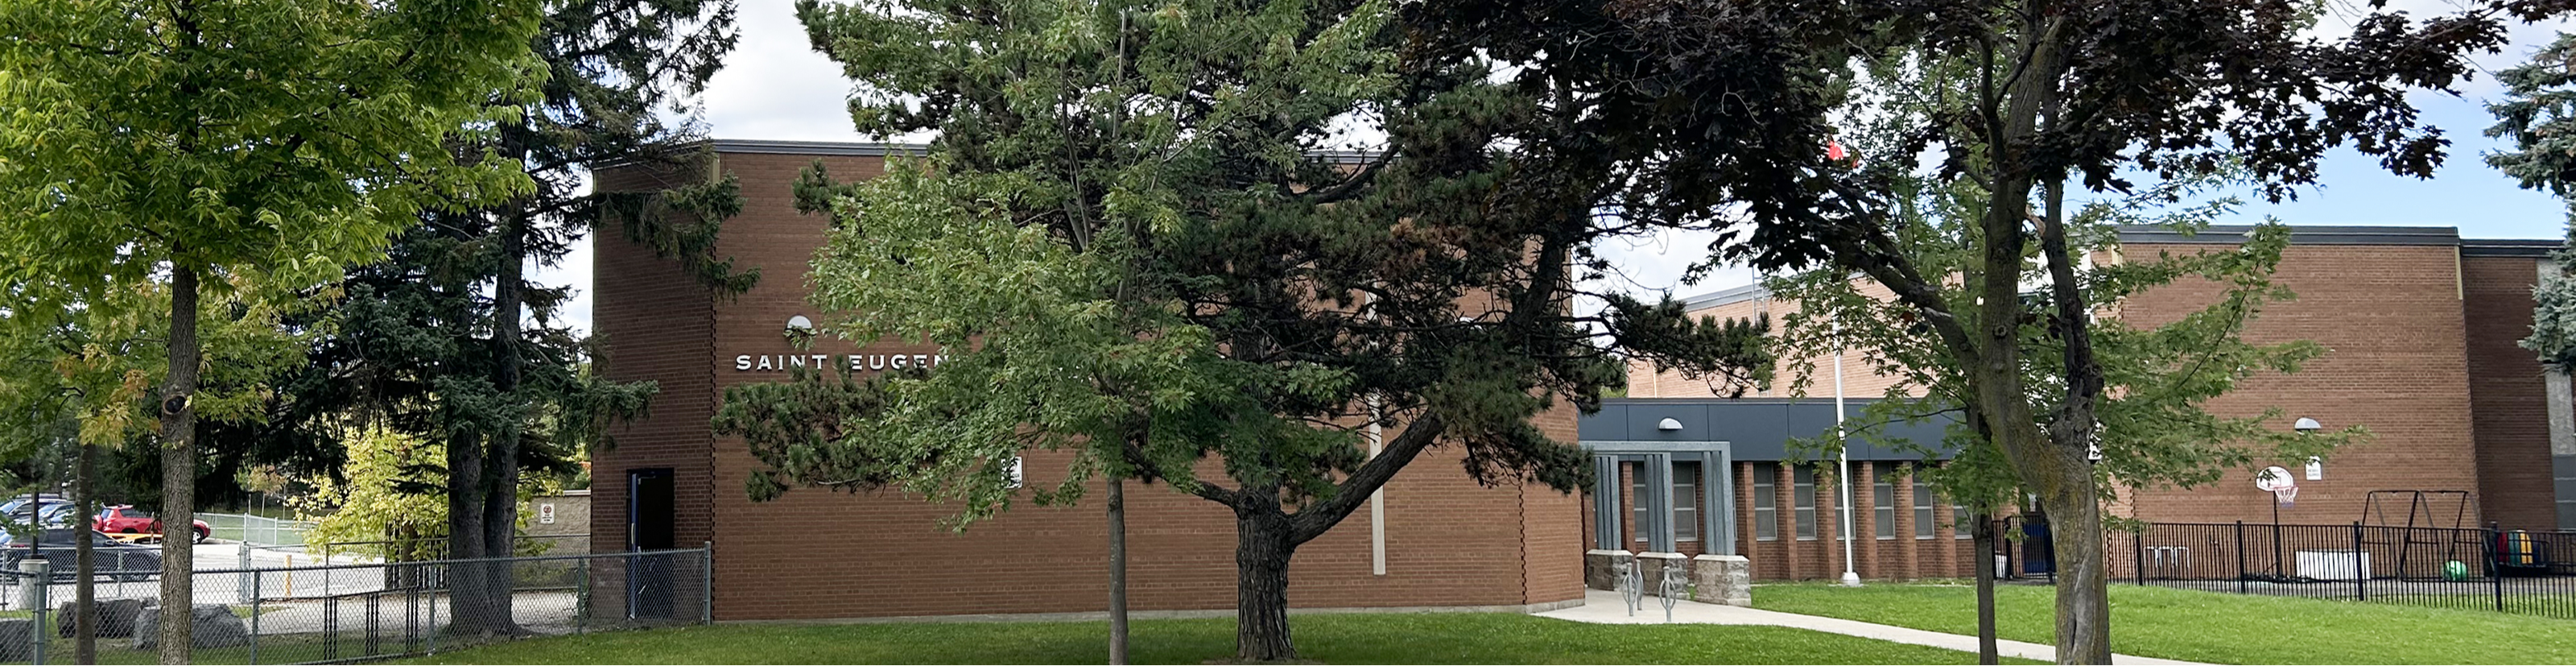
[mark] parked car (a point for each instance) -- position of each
(44, 513)
(125, 519)
(13, 503)
(57, 515)
(111, 558)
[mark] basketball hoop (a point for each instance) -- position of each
(2277, 481)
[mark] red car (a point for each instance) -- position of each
(125, 519)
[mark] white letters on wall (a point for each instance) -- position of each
(857, 362)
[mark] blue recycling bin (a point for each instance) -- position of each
(2038, 552)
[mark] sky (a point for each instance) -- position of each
(775, 86)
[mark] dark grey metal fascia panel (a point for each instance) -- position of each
(876, 149)
(1623, 448)
(1756, 429)
(840, 148)
(2230, 234)
(1608, 424)
(2493, 247)
(1345, 156)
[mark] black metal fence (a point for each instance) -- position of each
(346, 612)
(2511, 571)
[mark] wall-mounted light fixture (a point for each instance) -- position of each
(1668, 424)
(2316, 466)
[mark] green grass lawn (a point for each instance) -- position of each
(1425, 638)
(2210, 626)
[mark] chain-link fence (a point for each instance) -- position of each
(260, 531)
(435, 547)
(346, 612)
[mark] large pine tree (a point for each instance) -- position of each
(1143, 230)
(2538, 115)
(451, 340)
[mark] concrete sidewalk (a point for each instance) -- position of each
(1601, 607)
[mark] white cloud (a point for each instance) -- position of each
(574, 270)
(775, 85)
(1651, 265)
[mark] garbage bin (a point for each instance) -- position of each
(2518, 553)
(2038, 552)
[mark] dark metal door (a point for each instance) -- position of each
(652, 505)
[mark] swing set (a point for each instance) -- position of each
(2424, 530)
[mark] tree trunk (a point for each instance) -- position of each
(501, 501)
(85, 559)
(1983, 541)
(2083, 580)
(179, 466)
(1117, 570)
(465, 494)
(1262, 549)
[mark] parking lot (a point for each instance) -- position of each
(212, 587)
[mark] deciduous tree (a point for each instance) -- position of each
(1727, 108)
(190, 141)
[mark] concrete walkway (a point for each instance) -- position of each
(1601, 607)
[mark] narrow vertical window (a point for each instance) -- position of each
(1766, 501)
(1637, 503)
(1923, 506)
(1802, 498)
(1882, 498)
(1686, 501)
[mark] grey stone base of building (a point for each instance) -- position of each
(1601, 568)
(1716, 579)
(1722, 579)
(1193, 614)
(1651, 566)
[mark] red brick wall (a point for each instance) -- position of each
(1816, 372)
(1553, 533)
(2390, 316)
(2421, 350)
(654, 324)
(819, 554)
(2508, 393)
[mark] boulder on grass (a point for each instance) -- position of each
(210, 626)
(115, 618)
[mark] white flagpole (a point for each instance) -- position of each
(1842, 441)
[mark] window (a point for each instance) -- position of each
(1637, 514)
(1923, 507)
(1882, 498)
(1959, 527)
(1685, 512)
(1766, 501)
(1686, 501)
(1802, 495)
(2565, 478)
